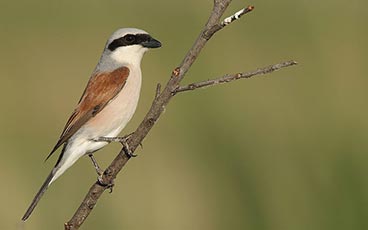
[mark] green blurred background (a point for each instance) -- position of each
(286, 151)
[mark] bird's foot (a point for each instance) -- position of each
(126, 148)
(109, 185)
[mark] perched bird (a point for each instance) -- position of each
(107, 104)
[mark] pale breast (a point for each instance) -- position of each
(118, 112)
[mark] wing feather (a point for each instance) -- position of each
(100, 90)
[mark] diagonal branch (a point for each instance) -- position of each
(232, 77)
(160, 101)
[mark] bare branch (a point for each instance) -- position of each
(158, 105)
(231, 77)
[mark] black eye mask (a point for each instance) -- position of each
(129, 39)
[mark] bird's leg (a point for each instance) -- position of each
(95, 164)
(100, 173)
(113, 139)
(122, 140)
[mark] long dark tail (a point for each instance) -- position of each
(38, 196)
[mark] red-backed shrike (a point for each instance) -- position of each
(107, 104)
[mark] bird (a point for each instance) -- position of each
(107, 103)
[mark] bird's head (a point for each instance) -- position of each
(128, 45)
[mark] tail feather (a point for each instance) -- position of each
(38, 196)
(50, 178)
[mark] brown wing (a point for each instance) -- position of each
(100, 90)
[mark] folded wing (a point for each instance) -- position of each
(100, 90)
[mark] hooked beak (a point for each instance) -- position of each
(151, 43)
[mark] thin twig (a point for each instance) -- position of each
(227, 21)
(237, 15)
(231, 77)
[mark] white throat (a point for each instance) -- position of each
(122, 56)
(129, 54)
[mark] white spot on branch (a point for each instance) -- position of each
(236, 16)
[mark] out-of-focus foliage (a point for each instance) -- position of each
(286, 151)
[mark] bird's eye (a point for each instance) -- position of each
(129, 38)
